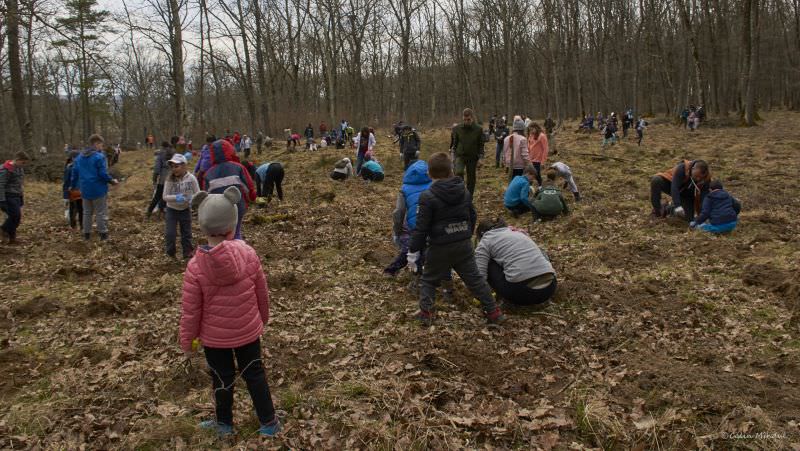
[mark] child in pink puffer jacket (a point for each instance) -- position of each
(226, 305)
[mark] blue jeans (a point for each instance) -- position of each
(359, 163)
(719, 228)
(174, 219)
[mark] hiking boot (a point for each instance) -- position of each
(14, 242)
(87, 236)
(270, 429)
(221, 429)
(495, 317)
(103, 236)
(577, 197)
(424, 318)
(389, 274)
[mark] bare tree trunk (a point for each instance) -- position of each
(752, 59)
(744, 84)
(178, 80)
(250, 100)
(691, 33)
(15, 67)
(201, 81)
(3, 115)
(261, 71)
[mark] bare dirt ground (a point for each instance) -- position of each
(659, 338)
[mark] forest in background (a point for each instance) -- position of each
(130, 67)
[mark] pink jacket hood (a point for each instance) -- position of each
(225, 297)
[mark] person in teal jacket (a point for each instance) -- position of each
(516, 198)
(372, 170)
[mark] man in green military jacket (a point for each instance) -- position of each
(468, 148)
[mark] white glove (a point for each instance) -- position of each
(678, 211)
(412, 258)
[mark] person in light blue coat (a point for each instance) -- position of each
(372, 171)
(90, 176)
(415, 181)
(516, 198)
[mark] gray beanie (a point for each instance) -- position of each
(217, 214)
(519, 125)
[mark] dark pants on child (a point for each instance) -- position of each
(75, 212)
(515, 172)
(519, 209)
(498, 153)
(241, 209)
(359, 162)
(538, 166)
(175, 218)
(223, 371)
(401, 261)
(409, 158)
(158, 199)
(640, 135)
(13, 208)
(440, 259)
(366, 174)
(660, 185)
(518, 293)
(273, 179)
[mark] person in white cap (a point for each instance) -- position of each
(179, 189)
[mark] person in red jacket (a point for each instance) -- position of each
(237, 141)
(226, 171)
(225, 305)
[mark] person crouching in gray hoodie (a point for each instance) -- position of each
(517, 270)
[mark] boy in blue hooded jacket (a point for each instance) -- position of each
(415, 181)
(720, 209)
(90, 176)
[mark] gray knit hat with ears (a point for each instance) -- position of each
(217, 214)
(519, 125)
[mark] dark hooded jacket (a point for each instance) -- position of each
(719, 207)
(226, 171)
(11, 177)
(445, 214)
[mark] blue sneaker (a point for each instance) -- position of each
(221, 429)
(270, 429)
